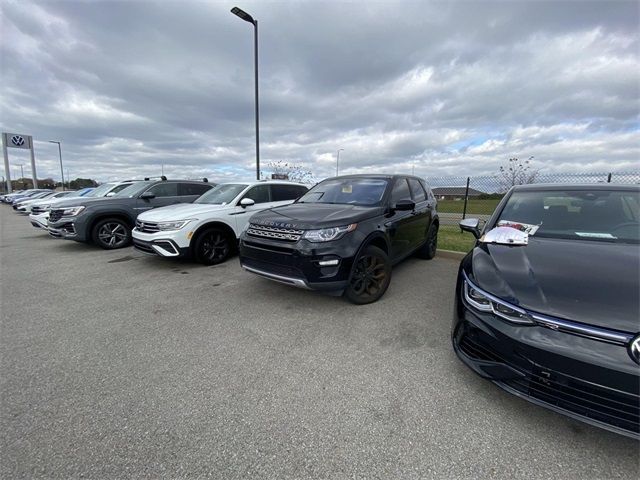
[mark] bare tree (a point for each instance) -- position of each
(517, 172)
(289, 171)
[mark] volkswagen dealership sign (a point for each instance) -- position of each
(17, 140)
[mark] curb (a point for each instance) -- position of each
(453, 255)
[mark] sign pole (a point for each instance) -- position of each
(33, 164)
(6, 162)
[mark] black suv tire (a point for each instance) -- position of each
(212, 247)
(428, 250)
(111, 233)
(370, 277)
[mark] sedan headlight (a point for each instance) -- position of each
(176, 225)
(485, 302)
(329, 234)
(72, 211)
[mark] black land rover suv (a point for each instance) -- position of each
(344, 235)
(108, 221)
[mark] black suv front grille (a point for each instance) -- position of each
(147, 227)
(55, 215)
(274, 233)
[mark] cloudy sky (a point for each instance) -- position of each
(446, 88)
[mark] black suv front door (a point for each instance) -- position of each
(400, 223)
(421, 214)
(158, 195)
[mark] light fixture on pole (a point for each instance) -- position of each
(248, 18)
(60, 155)
(338, 160)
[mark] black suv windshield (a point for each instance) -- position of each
(353, 191)
(596, 215)
(221, 194)
(134, 189)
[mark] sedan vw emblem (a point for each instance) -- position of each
(17, 140)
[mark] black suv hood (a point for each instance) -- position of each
(309, 216)
(586, 281)
(93, 201)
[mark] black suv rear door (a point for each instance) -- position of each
(422, 213)
(189, 191)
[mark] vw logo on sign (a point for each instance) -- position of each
(634, 349)
(17, 140)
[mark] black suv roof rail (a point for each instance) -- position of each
(161, 177)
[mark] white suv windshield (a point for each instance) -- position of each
(222, 194)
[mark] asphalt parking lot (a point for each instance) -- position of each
(119, 365)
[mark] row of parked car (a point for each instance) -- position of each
(547, 303)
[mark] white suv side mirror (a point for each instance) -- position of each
(246, 202)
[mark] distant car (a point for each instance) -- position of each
(12, 198)
(344, 235)
(107, 222)
(209, 228)
(547, 303)
(24, 206)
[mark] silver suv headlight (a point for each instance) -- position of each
(72, 211)
(175, 225)
(329, 234)
(485, 302)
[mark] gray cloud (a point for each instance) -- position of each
(447, 88)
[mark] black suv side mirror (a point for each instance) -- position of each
(404, 205)
(147, 195)
(471, 225)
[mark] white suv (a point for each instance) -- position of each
(208, 229)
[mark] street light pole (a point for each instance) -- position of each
(248, 18)
(338, 160)
(60, 154)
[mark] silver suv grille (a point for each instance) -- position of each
(147, 227)
(275, 233)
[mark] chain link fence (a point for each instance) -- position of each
(461, 197)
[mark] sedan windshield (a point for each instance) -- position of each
(596, 215)
(352, 191)
(222, 194)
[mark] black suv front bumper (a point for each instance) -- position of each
(298, 263)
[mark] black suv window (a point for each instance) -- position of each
(419, 195)
(185, 189)
(259, 194)
(280, 193)
(400, 191)
(164, 189)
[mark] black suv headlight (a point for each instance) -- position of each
(72, 211)
(485, 302)
(329, 234)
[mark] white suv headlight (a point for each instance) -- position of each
(72, 211)
(485, 302)
(176, 225)
(328, 234)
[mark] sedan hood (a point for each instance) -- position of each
(308, 216)
(586, 281)
(181, 211)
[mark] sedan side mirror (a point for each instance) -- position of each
(246, 202)
(471, 225)
(405, 205)
(147, 195)
(110, 194)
